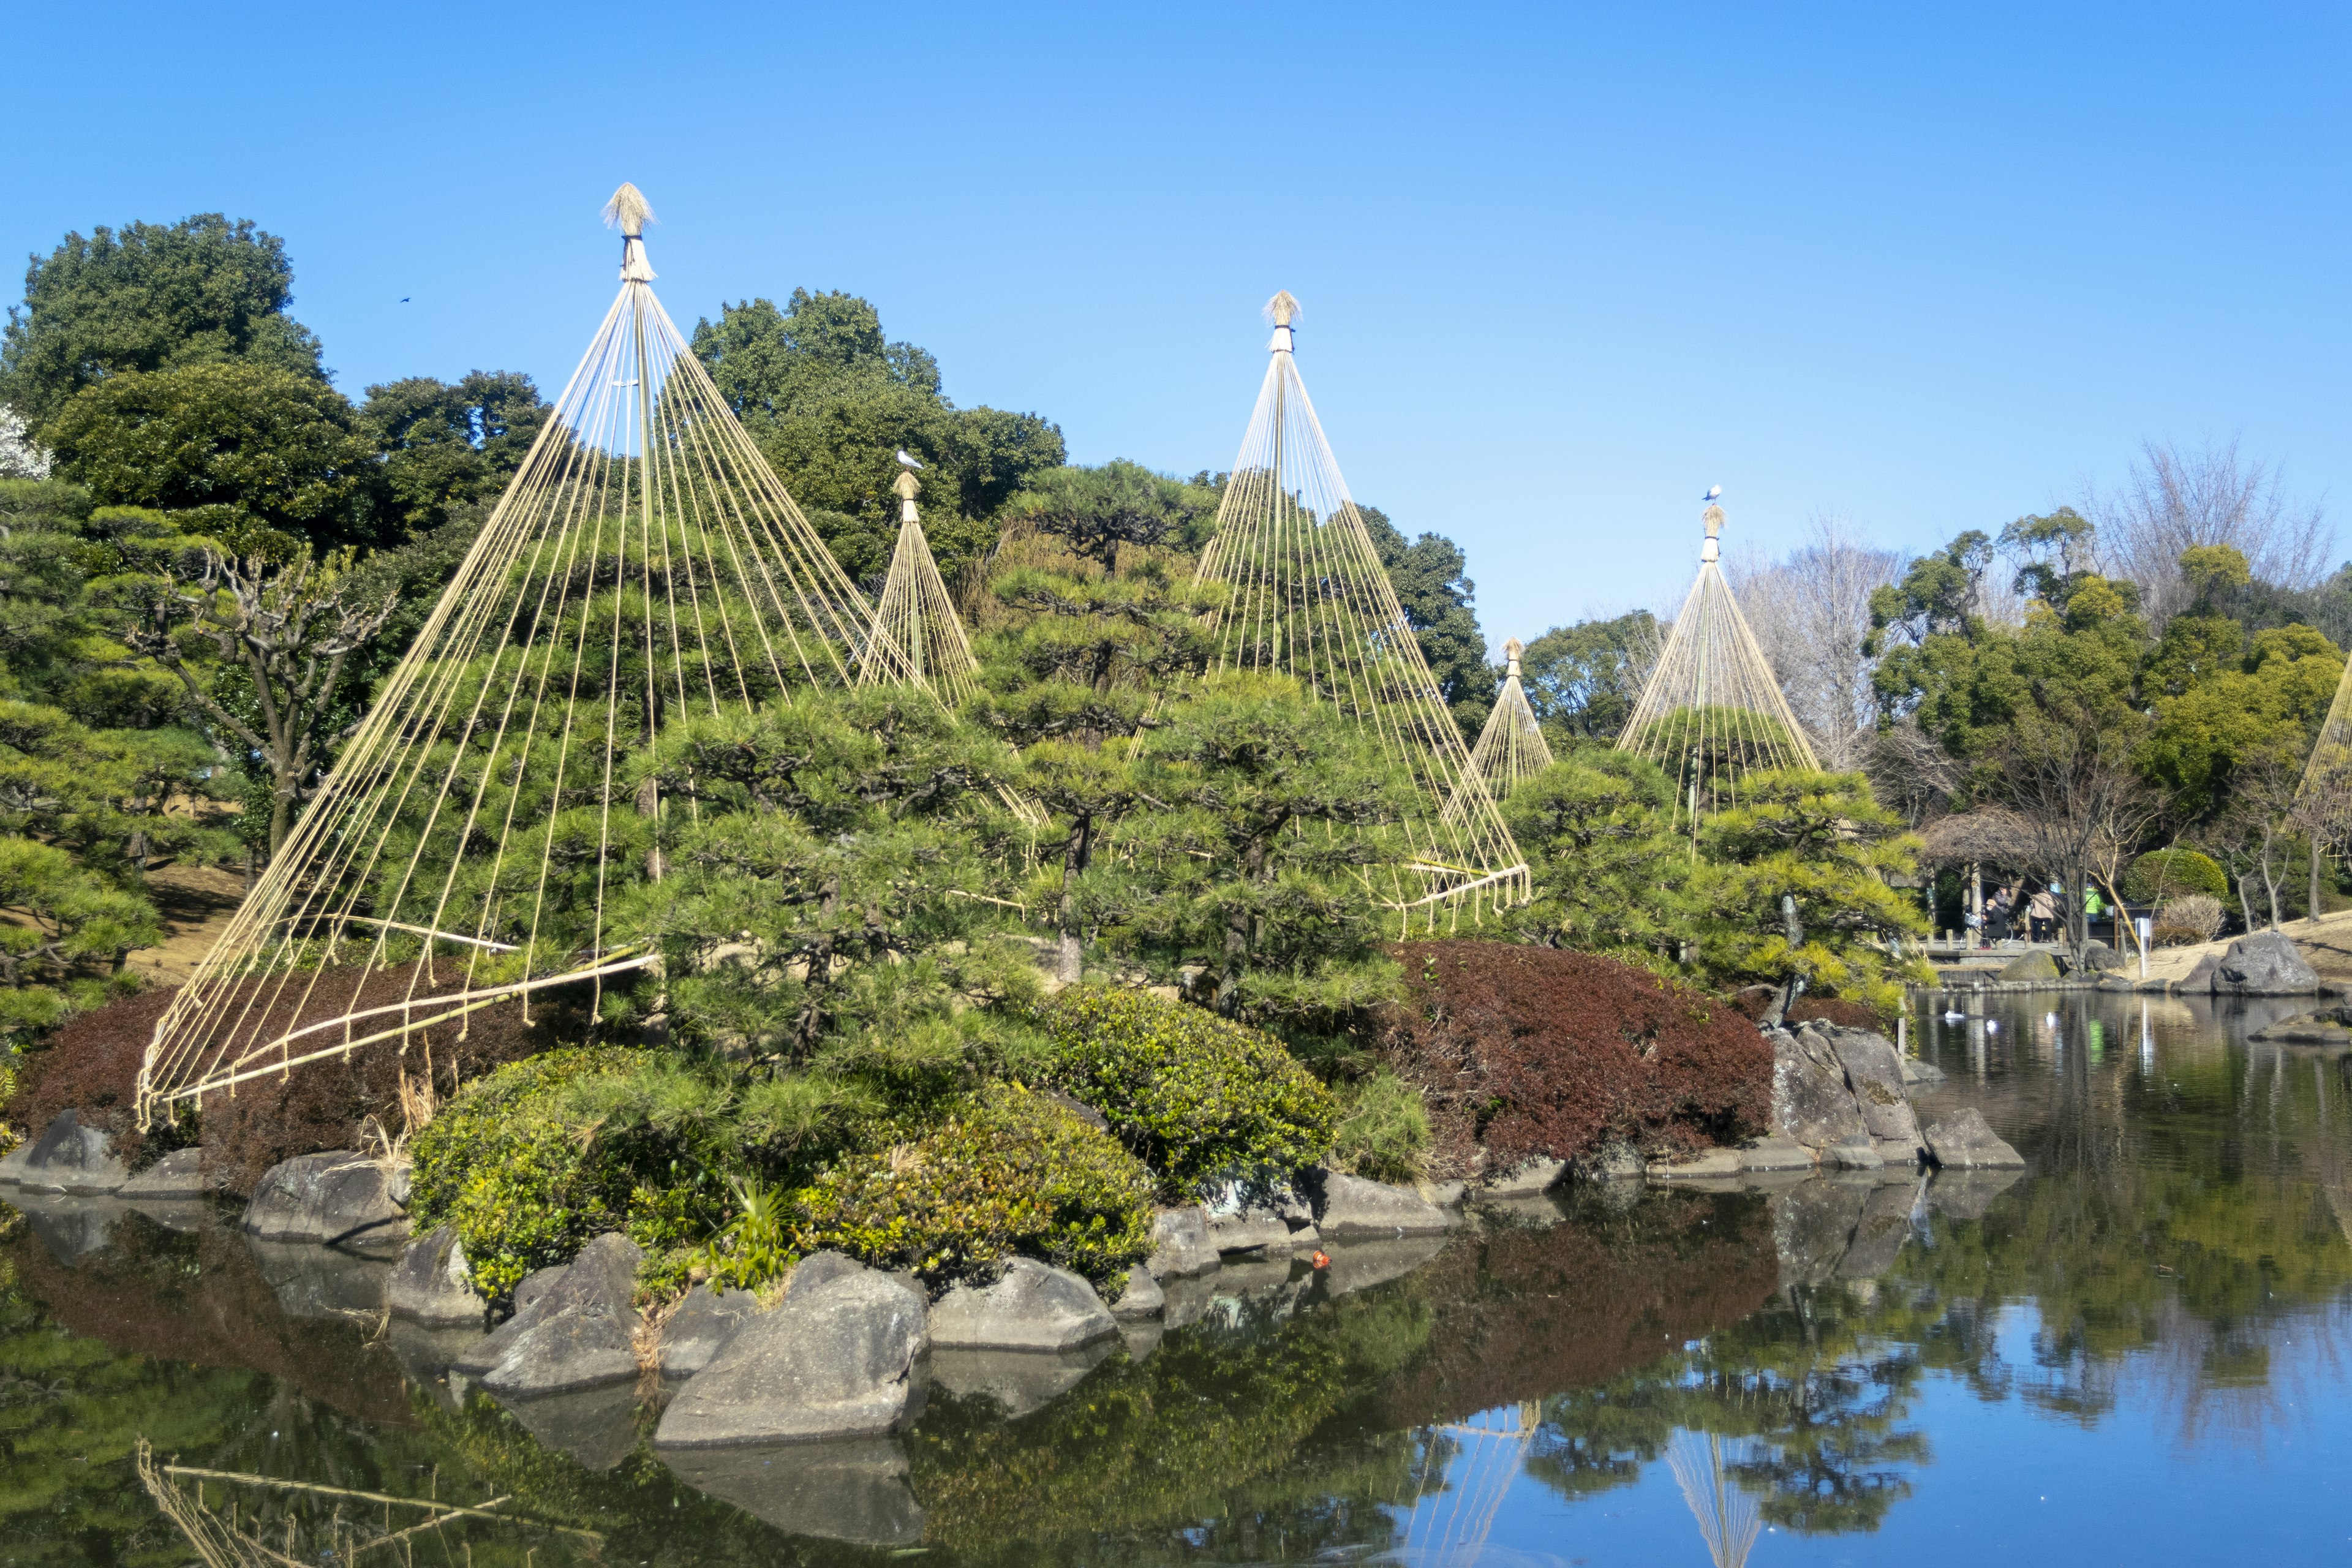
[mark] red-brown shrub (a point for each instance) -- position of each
(1528, 1051)
(1755, 1001)
(92, 1065)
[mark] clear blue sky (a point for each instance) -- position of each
(1561, 268)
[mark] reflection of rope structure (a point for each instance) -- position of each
(645, 563)
(917, 635)
(1728, 1519)
(1711, 710)
(1481, 1457)
(1310, 599)
(233, 1536)
(1511, 748)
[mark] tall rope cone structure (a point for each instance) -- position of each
(917, 633)
(1511, 748)
(1711, 710)
(1309, 598)
(2324, 796)
(645, 561)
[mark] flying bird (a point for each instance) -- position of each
(907, 460)
(403, 298)
(1714, 492)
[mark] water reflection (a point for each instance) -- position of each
(1631, 1373)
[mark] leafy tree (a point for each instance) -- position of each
(446, 444)
(1098, 511)
(1610, 872)
(1582, 680)
(1262, 856)
(152, 297)
(287, 634)
(1084, 660)
(832, 403)
(1431, 576)
(262, 452)
(823, 894)
(1822, 840)
(1941, 594)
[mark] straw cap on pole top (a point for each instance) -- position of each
(1282, 310)
(1713, 518)
(907, 485)
(1511, 652)
(629, 212)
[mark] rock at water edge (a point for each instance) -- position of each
(1181, 1246)
(573, 1328)
(1140, 1298)
(1962, 1140)
(1810, 1103)
(1032, 1307)
(703, 1325)
(1874, 1073)
(1537, 1176)
(2032, 968)
(1711, 1164)
(1350, 1205)
(340, 1198)
(835, 1360)
(2266, 963)
(172, 1178)
(71, 1157)
(433, 1283)
(1776, 1154)
(1018, 1382)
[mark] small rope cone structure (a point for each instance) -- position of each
(917, 635)
(1511, 748)
(1711, 710)
(645, 561)
(2324, 800)
(1310, 599)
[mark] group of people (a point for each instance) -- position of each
(2013, 912)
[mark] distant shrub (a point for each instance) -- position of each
(1383, 1131)
(2166, 874)
(1528, 1051)
(1008, 1170)
(1190, 1094)
(2183, 921)
(534, 1161)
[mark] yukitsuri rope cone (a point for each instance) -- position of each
(1511, 748)
(1309, 599)
(645, 561)
(2324, 800)
(917, 634)
(1711, 710)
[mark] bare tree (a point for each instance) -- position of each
(2177, 497)
(290, 629)
(2082, 803)
(1810, 611)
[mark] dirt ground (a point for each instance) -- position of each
(195, 904)
(2325, 944)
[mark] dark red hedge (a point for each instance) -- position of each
(1527, 1051)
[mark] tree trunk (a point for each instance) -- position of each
(281, 820)
(1069, 964)
(2311, 910)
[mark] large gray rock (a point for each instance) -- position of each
(1961, 1141)
(1017, 1382)
(172, 1179)
(1875, 1074)
(1031, 1307)
(703, 1325)
(1351, 1207)
(1253, 1229)
(1181, 1246)
(1140, 1298)
(1524, 1180)
(342, 1199)
(854, 1491)
(820, 1268)
(2200, 978)
(842, 1358)
(2266, 963)
(433, 1284)
(2032, 969)
(573, 1328)
(1810, 1103)
(70, 1157)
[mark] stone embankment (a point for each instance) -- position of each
(2265, 964)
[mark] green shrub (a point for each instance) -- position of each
(1006, 1171)
(1383, 1130)
(2163, 874)
(1191, 1095)
(532, 1162)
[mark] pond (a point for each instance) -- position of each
(2137, 1351)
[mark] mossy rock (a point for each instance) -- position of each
(2033, 966)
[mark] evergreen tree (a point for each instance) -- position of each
(1610, 872)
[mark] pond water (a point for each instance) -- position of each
(2139, 1350)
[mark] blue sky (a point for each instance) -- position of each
(1562, 269)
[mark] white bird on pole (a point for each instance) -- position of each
(907, 460)
(1714, 492)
